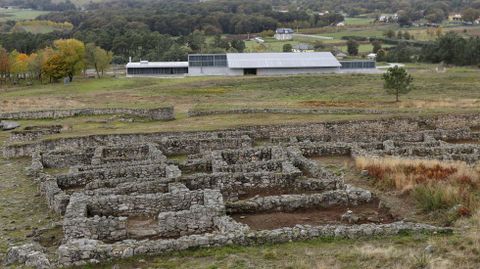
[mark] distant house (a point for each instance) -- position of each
(303, 48)
(372, 56)
(388, 18)
(284, 34)
(457, 17)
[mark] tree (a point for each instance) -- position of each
(238, 45)
(267, 33)
(390, 33)
(72, 54)
(381, 55)
(219, 42)
(377, 45)
(470, 14)
(435, 15)
(4, 64)
(404, 19)
(19, 64)
(196, 41)
(34, 62)
(287, 47)
(352, 47)
(397, 81)
(176, 53)
(97, 58)
(55, 67)
(399, 35)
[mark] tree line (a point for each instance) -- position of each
(450, 48)
(164, 30)
(64, 59)
(137, 44)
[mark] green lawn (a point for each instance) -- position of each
(19, 14)
(358, 21)
(270, 45)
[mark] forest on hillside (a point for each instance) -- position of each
(169, 30)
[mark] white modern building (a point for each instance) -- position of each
(241, 64)
(262, 64)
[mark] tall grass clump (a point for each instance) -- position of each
(434, 185)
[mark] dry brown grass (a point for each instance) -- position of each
(433, 184)
(404, 174)
(442, 103)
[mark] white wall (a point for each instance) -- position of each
(214, 71)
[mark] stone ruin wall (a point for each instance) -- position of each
(163, 113)
(114, 178)
(32, 133)
(290, 111)
(345, 131)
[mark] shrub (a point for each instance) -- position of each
(434, 197)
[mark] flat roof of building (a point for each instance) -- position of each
(145, 64)
(282, 60)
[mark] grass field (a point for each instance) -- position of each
(455, 91)
(271, 44)
(19, 14)
(358, 21)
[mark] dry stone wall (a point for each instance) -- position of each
(126, 195)
(163, 113)
(291, 111)
(193, 142)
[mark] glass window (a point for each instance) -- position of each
(207, 60)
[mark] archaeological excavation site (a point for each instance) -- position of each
(145, 194)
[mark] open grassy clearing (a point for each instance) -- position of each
(453, 92)
(455, 89)
(81, 2)
(358, 21)
(270, 45)
(19, 14)
(41, 26)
